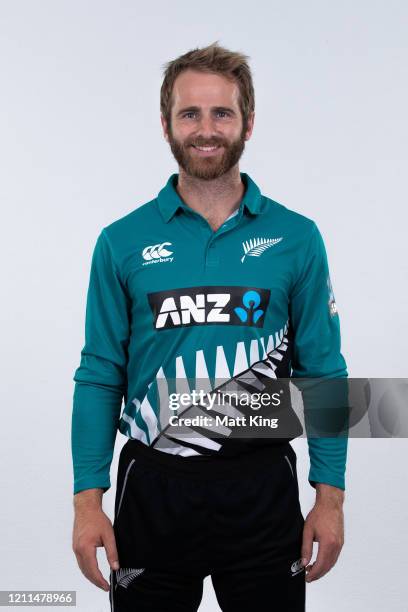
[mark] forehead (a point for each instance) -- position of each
(195, 88)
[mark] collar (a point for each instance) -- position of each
(169, 200)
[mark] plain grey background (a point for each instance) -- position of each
(81, 145)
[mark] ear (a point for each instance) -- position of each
(250, 126)
(164, 127)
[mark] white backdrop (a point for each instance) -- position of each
(81, 145)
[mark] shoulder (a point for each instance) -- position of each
(293, 223)
(133, 223)
(120, 237)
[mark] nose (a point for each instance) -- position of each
(206, 127)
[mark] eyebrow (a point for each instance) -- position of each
(197, 109)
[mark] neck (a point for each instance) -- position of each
(216, 199)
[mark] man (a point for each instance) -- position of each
(207, 284)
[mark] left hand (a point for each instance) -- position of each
(323, 524)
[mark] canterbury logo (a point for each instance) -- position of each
(296, 567)
(256, 246)
(157, 252)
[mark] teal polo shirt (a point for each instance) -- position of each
(173, 305)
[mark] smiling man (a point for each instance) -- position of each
(208, 286)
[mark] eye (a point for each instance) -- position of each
(223, 113)
(188, 113)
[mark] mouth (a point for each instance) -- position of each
(207, 150)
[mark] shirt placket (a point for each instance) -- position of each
(211, 250)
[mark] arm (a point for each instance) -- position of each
(100, 384)
(317, 356)
(100, 379)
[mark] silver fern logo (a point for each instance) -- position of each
(256, 246)
(125, 575)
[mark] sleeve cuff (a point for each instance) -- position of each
(335, 480)
(91, 483)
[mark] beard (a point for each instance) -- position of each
(211, 167)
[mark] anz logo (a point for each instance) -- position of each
(209, 305)
(251, 300)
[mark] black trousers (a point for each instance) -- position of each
(178, 520)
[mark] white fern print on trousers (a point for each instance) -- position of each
(256, 246)
(125, 575)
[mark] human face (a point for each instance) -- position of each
(206, 113)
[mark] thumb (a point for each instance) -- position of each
(109, 543)
(307, 545)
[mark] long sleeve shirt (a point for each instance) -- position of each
(174, 306)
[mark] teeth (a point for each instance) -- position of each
(206, 148)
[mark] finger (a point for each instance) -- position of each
(109, 543)
(326, 557)
(307, 545)
(330, 560)
(337, 555)
(89, 567)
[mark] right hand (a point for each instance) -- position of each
(93, 528)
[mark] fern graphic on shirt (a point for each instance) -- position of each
(256, 246)
(252, 366)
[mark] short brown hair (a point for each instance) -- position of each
(213, 58)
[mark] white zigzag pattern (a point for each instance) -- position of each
(272, 352)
